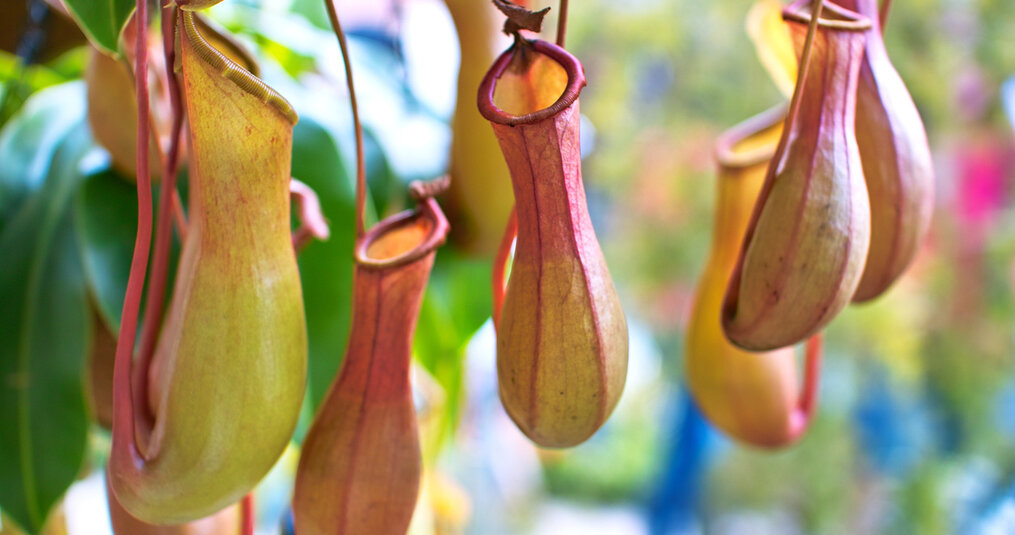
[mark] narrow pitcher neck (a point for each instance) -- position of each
(386, 305)
(827, 104)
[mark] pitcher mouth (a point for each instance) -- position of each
(833, 16)
(727, 153)
(404, 237)
(233, 71)
(575, 83)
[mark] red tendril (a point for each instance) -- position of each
(809, 393)
(247, 514)
(361, 180)
(123, 411)
(163, 230)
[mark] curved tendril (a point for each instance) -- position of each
(123, 410)
(422, 190)
(312, 222)
(801, 416)
(361, 180)
(500, 265)
(163, 230)
(812, 376)
(812, 364)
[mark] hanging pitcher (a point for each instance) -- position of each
(806, 244)
(754, 397)
(896, 163)
(561, 335)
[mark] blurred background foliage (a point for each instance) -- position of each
(916, 416)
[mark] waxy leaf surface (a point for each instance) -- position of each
(44, 339)
(325, 269)
(29, 140)
(106, 220)
(102, 21)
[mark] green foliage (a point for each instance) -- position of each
(106, 221)
(616, 463)
(313, 11)
(45, 333)
(18, 82)
(456, 304)
(325, 267)
(102, 21)
(758, 480)
(28, 141)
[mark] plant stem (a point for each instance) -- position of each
(562, 23)
(500, 262)
(812, 365)
(123, 411)
(247, 514)
(163, 230)
(179, 218)
(805, 60)
(812, 374)
(886, 5)
(361, 175)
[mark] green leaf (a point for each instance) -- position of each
(312, 10)
(325, 267)
(44, 338)
(105, 213)
(102, 21)
(105, 217)
(456, 304)
(35, 77)
(18, 82)
(28, 141)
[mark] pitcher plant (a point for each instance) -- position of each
(561, 333)
(756, 398)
